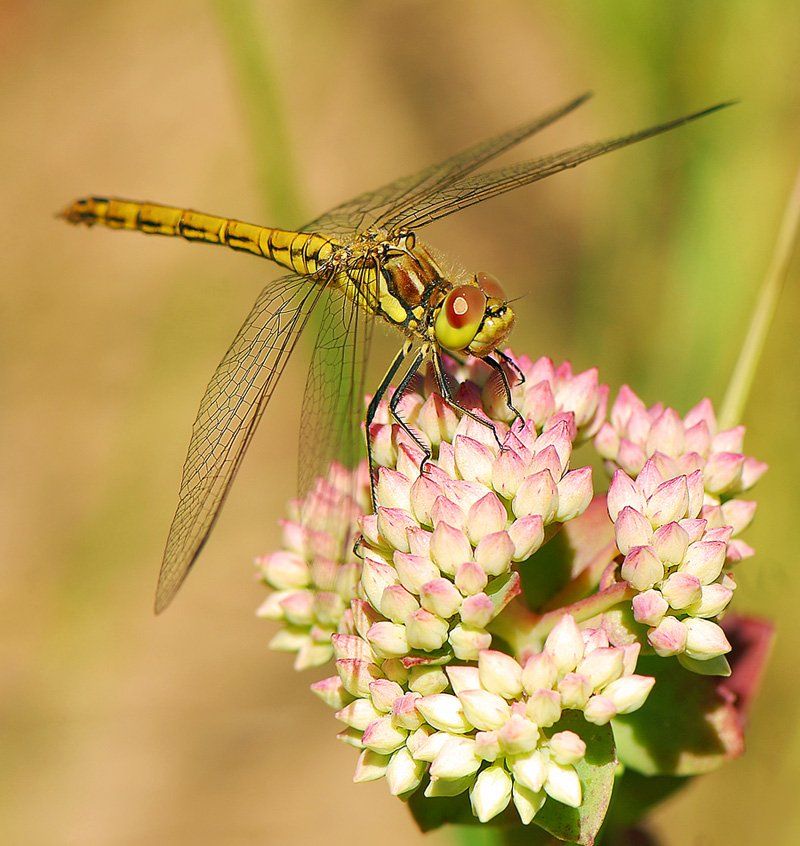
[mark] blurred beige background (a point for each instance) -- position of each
(120, 728)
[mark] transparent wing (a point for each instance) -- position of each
(475, 189)
(231, 407)
(334, 395)
(375, 207)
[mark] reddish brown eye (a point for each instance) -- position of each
(464, 304)
(490, 286)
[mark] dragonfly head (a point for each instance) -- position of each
(474, 318)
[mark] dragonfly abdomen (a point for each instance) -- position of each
(302, 252)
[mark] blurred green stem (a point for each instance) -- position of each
(263, 111)
(766, 304)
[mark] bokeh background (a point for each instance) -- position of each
(120, 728)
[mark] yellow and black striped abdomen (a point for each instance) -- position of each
(303, 252)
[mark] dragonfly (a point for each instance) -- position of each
(353, 267)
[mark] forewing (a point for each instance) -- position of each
(389, 201)
(231, 407)
(334, 396)
(475, 189)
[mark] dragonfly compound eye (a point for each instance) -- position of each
(460, 317)
(490, 286)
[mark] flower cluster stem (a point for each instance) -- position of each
(763, 313)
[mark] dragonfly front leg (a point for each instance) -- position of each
(447, 394)
(372, 410)
(395, 401)
(498, 367)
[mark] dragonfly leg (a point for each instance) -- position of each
(447, 394)
(498, 367)
(395, 401)
(372, 410)
(512, 364)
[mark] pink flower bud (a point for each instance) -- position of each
(599, 710)
(705, 560)
(698, 439)
(730, 440)
(752, 471)
(478, 611)
(539, 673)
(393, 489)
(666, 434)
(641, 568)
(558, 436)
(357, 675)
(668, 637)
(486, 516)
(601, 666)
(703, 411)
(467, 641)
(500, 673)
(649, 607)
(471, 578)
(574, 493)
(649, 478)
(413, 571)
(527, 535)
(424, 493)
(441, 597)
(285, 570)
(519, 735)
(632, 529)
(713, 601)
(384, 693)
(544, 708)
(704, 639)
(567, 747)
(404, 712)
(494, 552)
(622, 492)
(375, 578)
(539, 402)
(575, 690)
(669, 502)
(383, 736)
(738, 513)
(681, 590)
(352, 646)
(425, 631)
(332, 692)
(388, 640)
(606, 442)
(565, 644)
(449, 548)
(473, 460)
(507, 473)
(670, 543)
(392, 525)
(723, 472)
(358, 714)
(446, 511)
(629, 693)
(397, 603)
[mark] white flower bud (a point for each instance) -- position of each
(486, 711)
(565, 644)
(563, 784)
(468, 641)
(530, 770)
(370, 766)
(388, 639)
(425, 631)
(544, 707)
(456, 759)
(427, 680)
(500, 673)
(463, 678)
(383, 736)
(358, 714)
(704, 639)
(527, 802)
(403, 774)
(629, 693)
(599, 710)
(444, 712)
(491, 793)
(540, 673)
(602, 666)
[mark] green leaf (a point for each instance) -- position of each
(718, 666)
(596, 772)
(685, 727)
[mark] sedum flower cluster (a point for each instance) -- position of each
(674, 500)
(447, 680)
